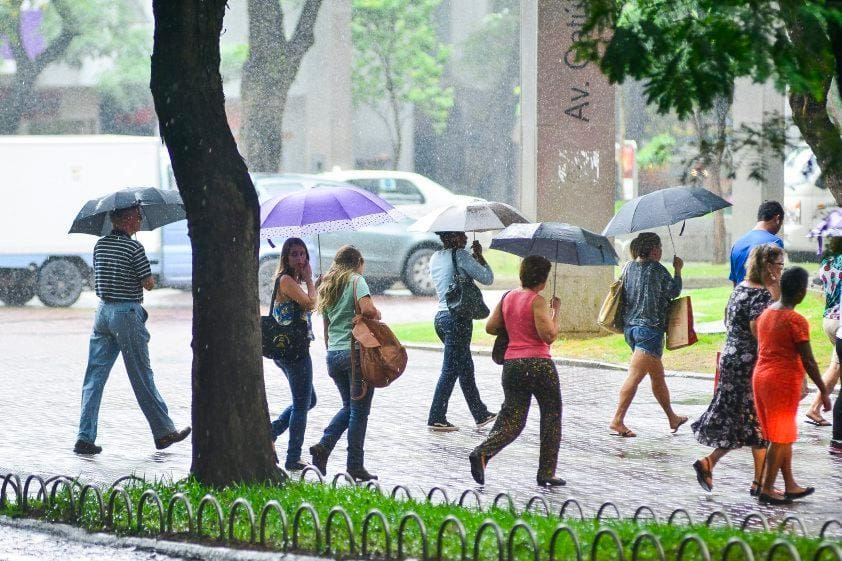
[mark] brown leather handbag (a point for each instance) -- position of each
(382, 357)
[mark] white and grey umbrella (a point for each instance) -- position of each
(480, 216)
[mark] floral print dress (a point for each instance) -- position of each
(731, 419)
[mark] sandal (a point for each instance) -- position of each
(625, 433)
(681, 421)
(703, 474)
(754, 490)
(820, 422)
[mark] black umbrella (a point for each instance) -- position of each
(663, 208)
(556, 241)
(157, 207)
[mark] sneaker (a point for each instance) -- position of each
(442, 426)
(489, 419)
(835, 448)
(82, 447)
(169, 439)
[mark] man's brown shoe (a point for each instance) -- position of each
(169, 439)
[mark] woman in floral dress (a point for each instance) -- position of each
(730, 421)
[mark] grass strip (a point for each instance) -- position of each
(357, 502)
(708, 305)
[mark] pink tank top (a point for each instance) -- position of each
(524, 341)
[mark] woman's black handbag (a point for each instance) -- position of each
(286, 342)
(501, 342)
(463, 296)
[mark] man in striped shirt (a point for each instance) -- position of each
(121, 272)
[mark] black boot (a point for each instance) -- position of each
(320, 455)
(361, 474)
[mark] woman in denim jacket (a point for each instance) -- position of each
(648, 290)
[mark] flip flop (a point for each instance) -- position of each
(681, 421)
(628, 433)
(702, 475)
(820, 423)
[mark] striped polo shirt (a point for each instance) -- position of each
(120, 265)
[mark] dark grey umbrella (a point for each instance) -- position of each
(157, 207)
(558, 242)
(663, 208)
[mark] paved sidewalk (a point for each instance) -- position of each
(42, 360)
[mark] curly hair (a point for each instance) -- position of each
(760, 256)
(643, 244)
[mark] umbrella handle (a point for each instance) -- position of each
(319, 242)
(671, 240)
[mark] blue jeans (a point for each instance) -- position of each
(120, 328)
(354, 413)
(299, 373)
(457, 363)
(647, 339)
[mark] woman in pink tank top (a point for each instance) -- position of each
(528, 370)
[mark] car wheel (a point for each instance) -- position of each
(266, 279)
(416, 273)
(59, 283)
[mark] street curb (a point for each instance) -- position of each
(566, 361)
(184, 550)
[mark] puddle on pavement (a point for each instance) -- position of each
(17, 544)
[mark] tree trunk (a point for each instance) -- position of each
(811, 117)
(231, 440)
(264, 88)
(268, 74)
(19, 101)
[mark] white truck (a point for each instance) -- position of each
(47, 180)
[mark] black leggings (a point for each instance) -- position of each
(837, 409)
(522, 379)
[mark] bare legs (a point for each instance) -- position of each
(779, 458)
(642, 364)
(830, 377)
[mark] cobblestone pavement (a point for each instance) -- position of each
(42, 360)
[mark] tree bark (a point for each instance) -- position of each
(810, 114)
(268, 74)
(231, 435)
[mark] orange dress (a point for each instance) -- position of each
(779, 372)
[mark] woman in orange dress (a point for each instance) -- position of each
(783, 337)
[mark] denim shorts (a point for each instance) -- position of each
(647, 339)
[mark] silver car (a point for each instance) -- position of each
(391, 252)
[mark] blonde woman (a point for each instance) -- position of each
(341, 289)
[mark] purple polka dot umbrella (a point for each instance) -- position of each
(323, 209)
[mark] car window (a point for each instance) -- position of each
(267, 189)
(395, 191)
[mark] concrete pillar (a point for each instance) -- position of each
(567, 125)
(329, 109)
(751, 102)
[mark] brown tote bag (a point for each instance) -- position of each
(680, 332)
(382, 357)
